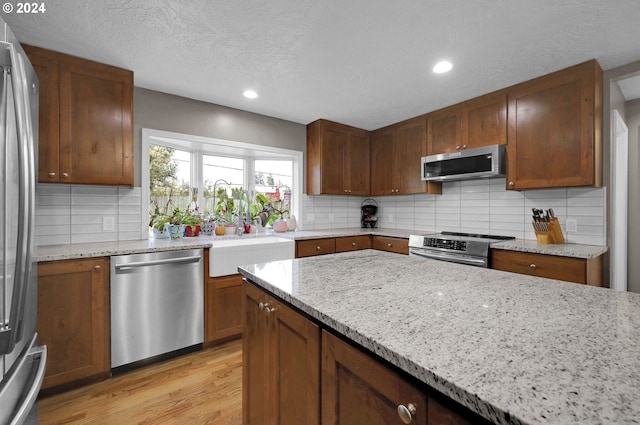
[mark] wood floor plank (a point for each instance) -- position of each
(196, 389)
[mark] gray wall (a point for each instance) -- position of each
(631, 111)
(633, 122)
(161, 111)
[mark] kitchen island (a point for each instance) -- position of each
(514, 349)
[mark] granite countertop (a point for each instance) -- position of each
(106, 249)
(563, 250)
(515, 349)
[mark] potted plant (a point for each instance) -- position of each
(176, 228)
(280, 224)
(226, 211)
(160, 225)
(192, 222)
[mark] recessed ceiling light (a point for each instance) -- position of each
(442, 67)
(250, 94)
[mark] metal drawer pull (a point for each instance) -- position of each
(407, 412)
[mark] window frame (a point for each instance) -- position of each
(199, 145)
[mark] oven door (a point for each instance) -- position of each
(452, 257)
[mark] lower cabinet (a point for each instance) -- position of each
(356, 389)
(311, 247)
(295, 373)
(578, 270)
(397, 245)
(353, 243)
(281, 363)
(222, 306)
(73, 320)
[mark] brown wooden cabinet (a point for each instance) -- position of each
(73, 320)
(222, 306)
(353, 243)
(337, 159)
(578, 270)
(311, 247)
(358, 390)
(281, 363)
(395, 159)
(555, 130)
(386, 243)
(86, 120)
(472, 124)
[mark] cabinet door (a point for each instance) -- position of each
(382, 176)
(73, 319)
(296, 366)
(445, 130)
(96, 135)
(555, 130)
(256, 394)
(356, 163)
(410, 145)
(484, 121)
(223, 309)
(46, 66)
(358, 390)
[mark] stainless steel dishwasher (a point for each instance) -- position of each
(157, 304)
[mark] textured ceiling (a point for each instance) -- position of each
(361, 62)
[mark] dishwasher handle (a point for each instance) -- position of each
(181, 260)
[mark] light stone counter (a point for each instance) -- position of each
(106, 249)
(563, 250)
(515, 349)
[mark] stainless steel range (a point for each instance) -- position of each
(463, 248)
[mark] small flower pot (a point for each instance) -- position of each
(176, 231)
(280, 225)
(220, 230)
(192, 231)
(230, 229)
(161, 234)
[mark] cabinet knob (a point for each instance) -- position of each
(269, 310)
(65, 175)
(52, 175)
(389, 245)
(407, 412)
(96, 268)
(464, 146)
(346, 191)
(533, 266)
(262, 305)
(318, 248)
(457, 147)
(511, 184)
(353, 244)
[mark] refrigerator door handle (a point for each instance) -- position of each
(10, 331)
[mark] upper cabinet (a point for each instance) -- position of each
(337, 159)
(86, 120)
(478, 122)
(555, 130)
(395, 159)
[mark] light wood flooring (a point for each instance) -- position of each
(195, 389)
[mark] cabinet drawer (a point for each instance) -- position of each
(385, 243)
(353, 243)
(312, 247)
(576, 270)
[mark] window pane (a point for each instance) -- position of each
(169, 179)
(222, 170)
(274, 178)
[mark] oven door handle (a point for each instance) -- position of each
(446, 257)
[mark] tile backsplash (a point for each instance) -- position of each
(75, 214)
(476, 206)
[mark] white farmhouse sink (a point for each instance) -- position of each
(225, 256)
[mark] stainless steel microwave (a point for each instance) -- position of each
(477, 163)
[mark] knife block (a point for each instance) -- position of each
(552, 235)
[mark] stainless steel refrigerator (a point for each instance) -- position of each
(22, 362)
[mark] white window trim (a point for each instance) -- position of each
(217, 147)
